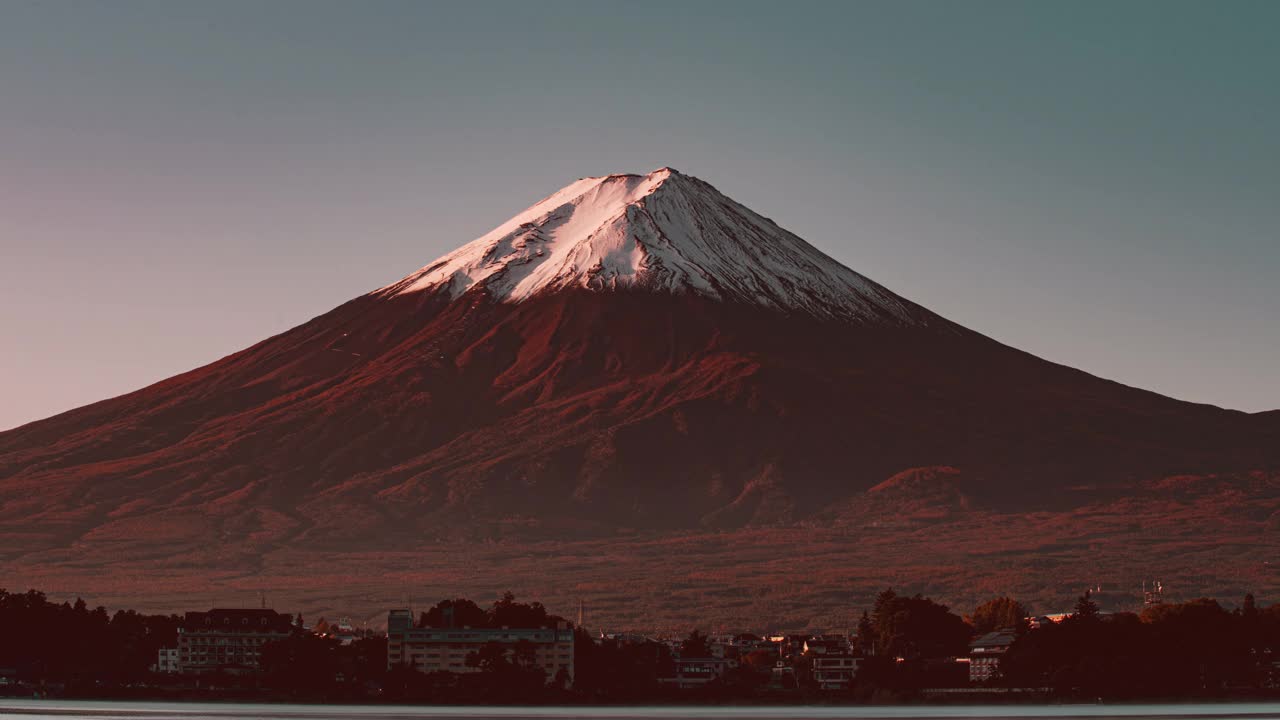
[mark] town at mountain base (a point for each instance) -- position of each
(636, 378)
(903, 648)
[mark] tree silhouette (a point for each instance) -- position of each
(509, 613)
(695, 646)
(505, 612)
(999, 614)
(508, 671)
(302, 661)
(1169, 650)
(916, 627)
(866, 635)
(68, 643)
(1086, 609)
(490, 658)
(458, 612)
(618, 670)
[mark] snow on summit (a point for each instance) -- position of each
(666, 232)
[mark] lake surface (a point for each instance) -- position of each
(106, 710)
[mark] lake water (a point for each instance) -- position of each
(103, 710)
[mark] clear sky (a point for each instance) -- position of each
(1097, 183)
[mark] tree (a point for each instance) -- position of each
(364, 660)
(1249, 609)
(882, 621)
(507, 672)
(760, 661)
(999, 614)
(866, 635)
(301, 662)
(916, 627)
(1174, 649)
(509, 613)
(490, 658)
(1086, 609)
(619, 671)
(695, 646)
(67, 642)
(505, 612)
(525, 655)
(745, 679)
(458, 612)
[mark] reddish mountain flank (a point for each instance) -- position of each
(634, 361)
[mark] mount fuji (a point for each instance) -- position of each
(662, 232)
(636, 377)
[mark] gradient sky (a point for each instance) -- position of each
(1096, 183)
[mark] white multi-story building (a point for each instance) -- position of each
(166, 661)
(228, 640)
(445, 649)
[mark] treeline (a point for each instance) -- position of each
(77, 650)
(75, 645)
(1195, 648)
(1174, 650)
(909, 644)
(307, 666)
(505, 612)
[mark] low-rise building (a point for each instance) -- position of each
(696, 672)
(342, 630)
(828, 645)
(832, 663)
(445, 649)
(748, 643)
(723, 646)
(985, 653)
(228, 640)
(625, 638)
(788, 644)
(834, 671)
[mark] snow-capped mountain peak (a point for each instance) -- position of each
(665, 232)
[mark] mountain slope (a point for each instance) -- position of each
(634, 353)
